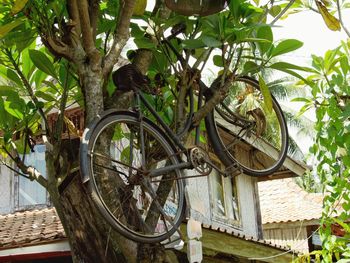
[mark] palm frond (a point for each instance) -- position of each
(294, 150)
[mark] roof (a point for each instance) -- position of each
(30, 228)
(284, 201)
(218, 239)
(245, 237)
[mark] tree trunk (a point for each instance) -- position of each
(90, 238)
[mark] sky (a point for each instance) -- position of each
(310, 28)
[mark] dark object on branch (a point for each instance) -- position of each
(196, 7)
(129, 76)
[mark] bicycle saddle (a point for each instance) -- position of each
(129, 76)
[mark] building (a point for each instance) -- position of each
(225, 211)
(290, 215)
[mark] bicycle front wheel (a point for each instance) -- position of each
(122, 154)
(248, 132)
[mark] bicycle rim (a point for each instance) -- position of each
(141, 208)
(247, 133)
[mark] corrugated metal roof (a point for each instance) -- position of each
(246, 237)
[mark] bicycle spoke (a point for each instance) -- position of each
(253, 133)
(237, 139)
(157, 203)
(114, 161)
(124, 152)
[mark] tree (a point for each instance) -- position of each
(328, 83)
(54, 54)
(329, 97)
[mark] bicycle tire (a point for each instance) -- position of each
(135, 205)
(267, 137)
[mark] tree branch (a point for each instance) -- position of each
(94, 10)
(13, 170)
(60, 119)
(74, 14)
(216, 98)
(341, 19)
(30, 171)
(85, 23)
(57, 47)
(29, 89)
(291, 2)
(120, 36)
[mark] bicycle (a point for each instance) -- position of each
(134, 168)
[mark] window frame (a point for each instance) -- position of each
(229, 190)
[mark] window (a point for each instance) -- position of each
(224, 203)
(31, 193)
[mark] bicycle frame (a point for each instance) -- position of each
(174, 137)
(140, 98)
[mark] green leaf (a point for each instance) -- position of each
(266, 93)
(12, 75)
(331, 59)
(18, 6)
(211, 41)
(343, 261)
(286, 46)
(344, 64)
(39, 77)
(275, 10)
(145, 43)
(7, 91)
(42, 62)
(44, 95)
(193, 43)
(301, 100)
(110, 88)
(13, 109)
(106, 25)
(217, 59)
(293, 73)
(331, 21)
(4, 29)
(254, 39)
(24, 39)
(265, 33)
(159, 62)
(250, 67)
(286, 65)
(125, 155)
(3, 114)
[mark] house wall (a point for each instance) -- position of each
(6, 190)
(293, 235)
(200, 204)
(249, 205)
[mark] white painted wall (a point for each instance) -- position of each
(6, 190)
(246, 187)
(198, 198)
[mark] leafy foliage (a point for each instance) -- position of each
(330, 98)
(47, 57)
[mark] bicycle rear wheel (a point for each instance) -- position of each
(246, 133)
(122, 151)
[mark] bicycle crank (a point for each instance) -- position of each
(200, 160)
